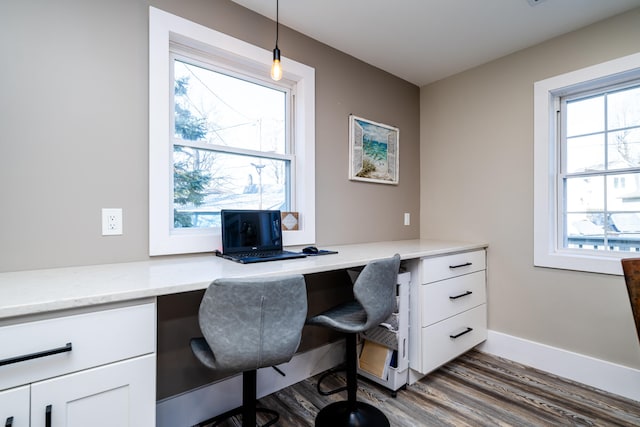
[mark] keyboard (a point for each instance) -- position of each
(253, 257)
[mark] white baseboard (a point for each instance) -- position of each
(200, 404)
(607, 376)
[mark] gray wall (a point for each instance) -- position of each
(477, 184)
(74, 129)
(73, 126)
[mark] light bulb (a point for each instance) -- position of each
(276, 68)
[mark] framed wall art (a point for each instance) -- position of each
(373, 151)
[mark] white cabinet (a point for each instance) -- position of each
(112, 395)
(94, 368)
(448, 314)
(14, 407)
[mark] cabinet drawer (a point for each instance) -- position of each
(445, 267)
(95, 338)
(448, 339)
(447, 298)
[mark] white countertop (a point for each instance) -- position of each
(38, 291)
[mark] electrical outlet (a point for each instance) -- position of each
(407, 218)
(111, 222)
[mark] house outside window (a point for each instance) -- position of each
(587, 167)
(223, 135)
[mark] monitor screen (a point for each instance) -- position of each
(250, 230)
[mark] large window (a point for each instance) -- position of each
(223, 135)
(231, 148)
(587, 166)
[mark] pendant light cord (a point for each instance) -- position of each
(276, 69)
(277, 20)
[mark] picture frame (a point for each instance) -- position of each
(373, 151)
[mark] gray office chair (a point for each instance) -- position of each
(375, 299)
(249, 324)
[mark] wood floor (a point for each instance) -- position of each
(476, 389)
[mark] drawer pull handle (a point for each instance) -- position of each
(466, 264)
(36, 355)
(461, 333)
(47, 416)
(9, 422)
(461, 295)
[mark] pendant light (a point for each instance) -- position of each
(276, 69)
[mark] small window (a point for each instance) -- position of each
(223, 135)
(601, 143)
(587, 167)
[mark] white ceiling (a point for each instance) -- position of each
(423, 41)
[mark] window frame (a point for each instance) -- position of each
(165, 28)
(548, 251)
(186, 54)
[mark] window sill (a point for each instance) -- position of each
(587, 261)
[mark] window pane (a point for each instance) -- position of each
(224, 110)
(624, 149)
(207, 181)
(623, 192)
(584, 194)
(585, 225)
(585, 153)
(624, 108)
(585, 116)
(587, 231)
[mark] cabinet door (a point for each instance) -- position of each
(119, 394)
(14, 407)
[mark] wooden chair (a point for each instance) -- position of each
(631, 269)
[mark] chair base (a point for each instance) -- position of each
(249, 407)
(328, 373)
(246, 421)
(343, 413)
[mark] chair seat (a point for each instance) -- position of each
(349, 317)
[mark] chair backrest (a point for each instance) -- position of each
(253, 323)
(631, 269)
(375, 289)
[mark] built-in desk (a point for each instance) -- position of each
(99, 295)
(41, 291)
